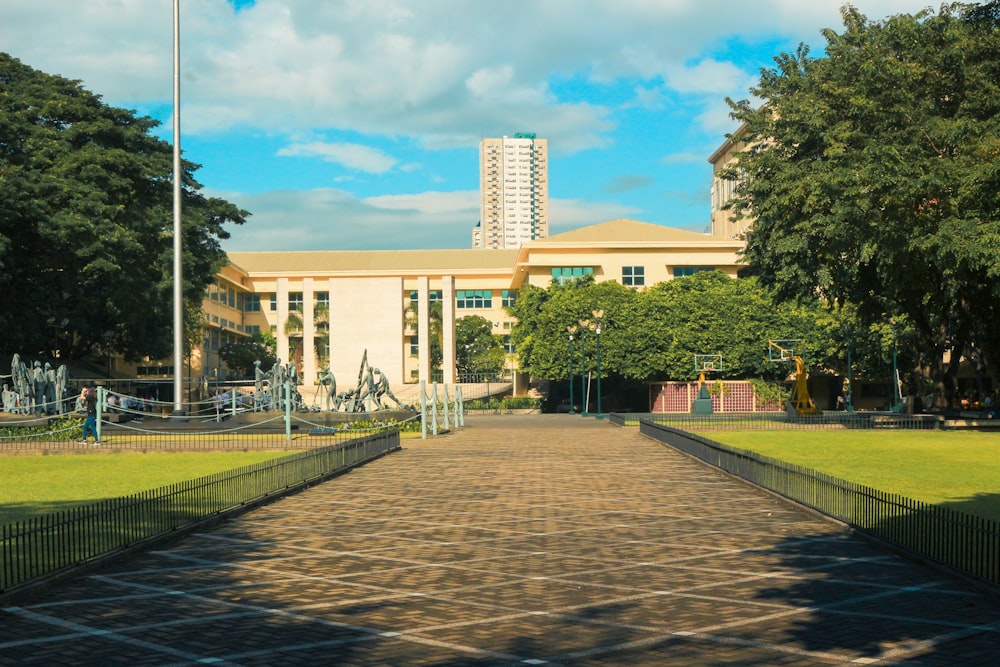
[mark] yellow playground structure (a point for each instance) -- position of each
(785, 350)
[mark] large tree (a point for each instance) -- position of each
(872, 177)
(86, 226)
(478, 351)
(654, 334)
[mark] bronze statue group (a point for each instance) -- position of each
(39, 390)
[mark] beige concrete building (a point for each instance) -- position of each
(514, 191)
(330, 307)
(724, 223)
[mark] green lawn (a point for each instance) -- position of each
(34, 485)
(958, 469)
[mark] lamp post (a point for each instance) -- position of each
(850, 382)
(572, 331)
(895, 372)
(584, 385)
(598, 322)
(218, 353)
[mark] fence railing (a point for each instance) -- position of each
(967, 543)
(764, 421)
(45, 546)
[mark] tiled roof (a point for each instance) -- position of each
(623, 230)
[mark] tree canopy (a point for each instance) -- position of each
(86, 223)
(478, 351)
(654, 334)
(872, 177)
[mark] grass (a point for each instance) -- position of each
(957, 469)
(35, 485)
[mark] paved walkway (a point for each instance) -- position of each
(537, 540)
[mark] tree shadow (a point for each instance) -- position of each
(874, 599)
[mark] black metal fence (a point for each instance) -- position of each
(764, 421)
(44, 546)
(961, 541)
(127, 432)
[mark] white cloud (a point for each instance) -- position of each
(437, 70)
(353, 156)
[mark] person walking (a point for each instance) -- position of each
(89, 397)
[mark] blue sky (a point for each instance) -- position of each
(355, 124)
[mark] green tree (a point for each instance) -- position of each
(86, 224)
(540, 337)
(478, 351)
(872, 178)
(240, 356)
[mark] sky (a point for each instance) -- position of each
(355, 124)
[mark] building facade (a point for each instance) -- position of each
(724, 220)
(514, 192)
(331, 308)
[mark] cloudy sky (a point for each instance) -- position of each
(355, 124)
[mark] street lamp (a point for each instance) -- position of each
(598, 322)
(584, 385)
(895, 372)
(572, 331)
(850, 382)
(218, 353)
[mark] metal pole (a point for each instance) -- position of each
(599, 321)
(583, 374)
(895, 371)
(178, 264)
(598, 334)
(850, 382)
(571, 331)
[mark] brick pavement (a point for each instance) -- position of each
(536, 540)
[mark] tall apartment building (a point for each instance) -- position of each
(514, 191)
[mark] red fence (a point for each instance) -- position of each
(732, 396)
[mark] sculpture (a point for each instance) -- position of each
(329, 382)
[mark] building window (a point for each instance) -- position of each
(634, 276)
(474, 298)
(414, 346)
(251, 303)
(253, 329)
(295, 301)
(433, 296)
(274, 302)
(508, 297)
(682, 271)
(508, 345)
(563, 274)
(323, 299)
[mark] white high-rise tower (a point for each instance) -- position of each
(514, 191)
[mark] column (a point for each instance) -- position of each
(308, 336)
(423, 329)
(448, 364)
(282, 296)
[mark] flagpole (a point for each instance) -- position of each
(178, 265)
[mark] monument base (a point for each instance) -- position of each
(702, 406)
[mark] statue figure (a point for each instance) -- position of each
(38, 382)
(62, 379)
(49, 390)
(329, 384)
(382, 390)
(277, 387)
(258, 386)
(22, 385)
(9, 399)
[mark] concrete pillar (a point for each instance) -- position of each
(308, 335)
(423, 329)
(282, 296)
(448, 364)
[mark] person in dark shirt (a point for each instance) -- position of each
(89, 396)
